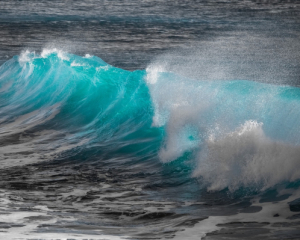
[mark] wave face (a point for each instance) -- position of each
(85, 102)
(232, 134)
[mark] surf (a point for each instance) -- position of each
(225, 134)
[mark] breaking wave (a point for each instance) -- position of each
(233, 133)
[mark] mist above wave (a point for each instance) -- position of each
(243, 56)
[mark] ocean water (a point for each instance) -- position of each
(149, 120)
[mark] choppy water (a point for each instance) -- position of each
(149, 120)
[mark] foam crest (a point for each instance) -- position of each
(26, 56)
(60, 53)
(153, 72)
(246, 157)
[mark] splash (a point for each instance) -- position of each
(247, 157)
(240, 134)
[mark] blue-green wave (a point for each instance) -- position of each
(229, 134)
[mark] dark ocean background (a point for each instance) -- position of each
(150, 119)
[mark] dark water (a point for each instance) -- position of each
(129, 34)
(149, 119)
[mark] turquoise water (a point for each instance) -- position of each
(226, 134)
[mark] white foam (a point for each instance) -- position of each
(153, 72)
(87, 56)
(265, 215)
(26, 56)
(245, 158)
(29, 228)
(60, 53)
